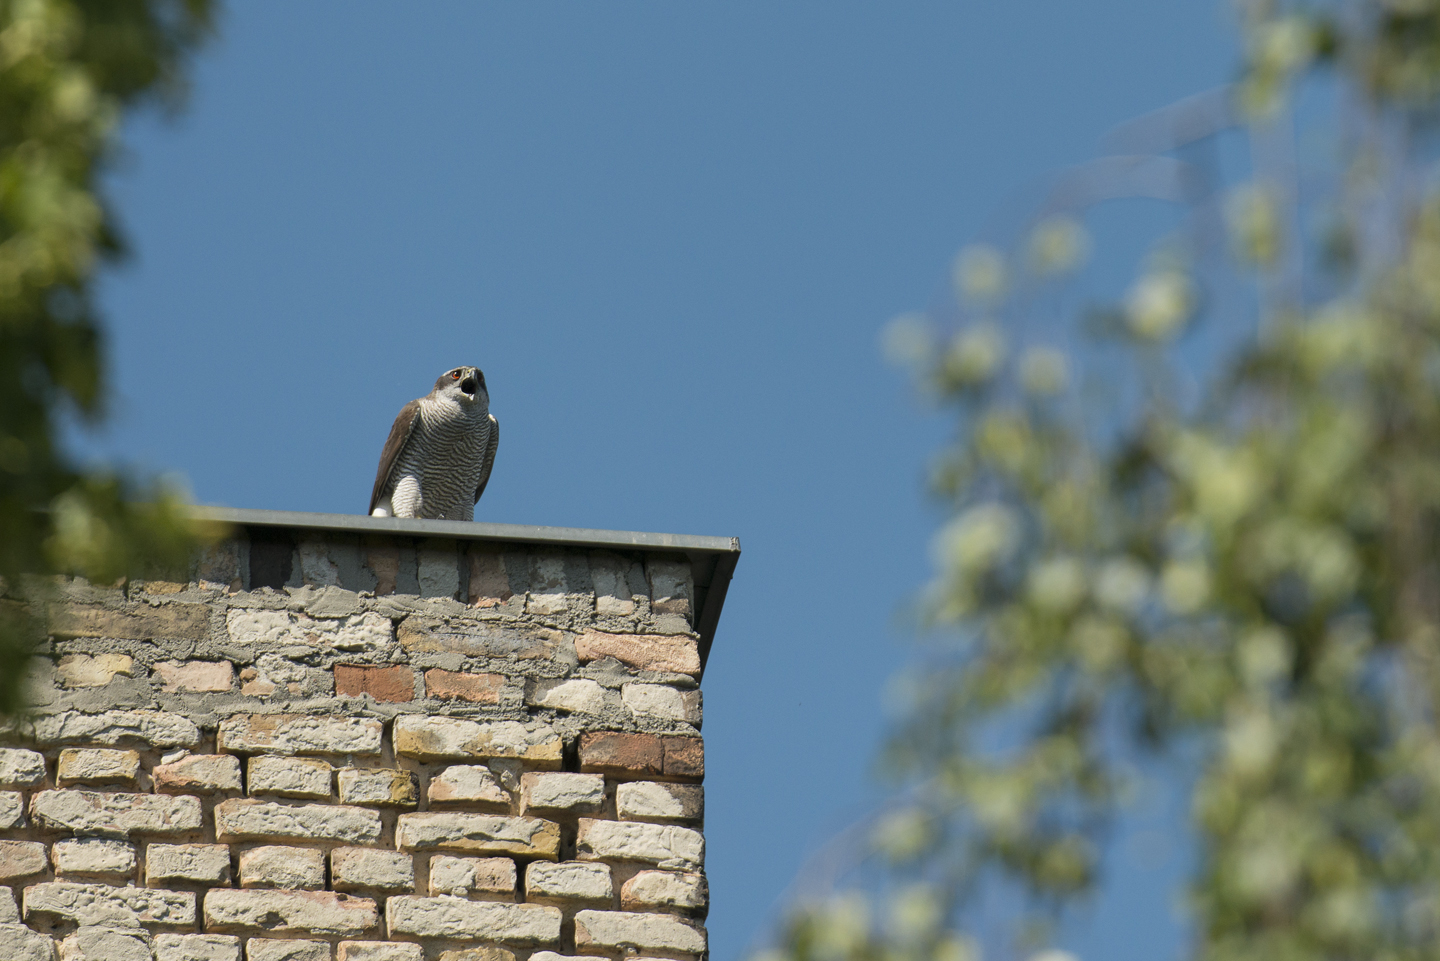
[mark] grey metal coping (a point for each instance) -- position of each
(712, 559)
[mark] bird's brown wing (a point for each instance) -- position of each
(394, 444)
(489, 457)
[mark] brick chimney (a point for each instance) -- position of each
(370, 739)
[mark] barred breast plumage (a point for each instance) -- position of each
(438, 457)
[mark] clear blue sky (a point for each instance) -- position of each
(670, 234)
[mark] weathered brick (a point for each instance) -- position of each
(276, 866)
(97, 766)
(20, 859)
(155, 728)
(204, 863)
(577, 695)
(273, 673)
(92, 670)
(196, 676)
(684, 757)
(379, 951)
(665, 845)
(20, 768)
(662, 701)
(290, 776)
(9, 913)
(12, 809)
(140, 623)
(198, 774)
(568, 882)
(115, 815)
(355, 869)
(103, 904)
(456, 685)
(562, 792)
(477, 834)
(485, 952)
(677, 653)
(425, 635)
(271, 630)
(382, 787)
(286, 912)
(519, 924)
(658, 801)
(276, 949)
(94, 856)
(463, 877)
(670, 585)
(19, 943)
(240, 819)
(299, 734)
(611, 752)
(489, 584)
(436, 738)
(666, 891)
(196, 947)
(629, 931)
(470, 783)
(392, 685)
(107, 944)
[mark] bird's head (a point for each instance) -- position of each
(463, 384)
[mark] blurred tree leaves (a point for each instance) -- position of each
(1248, 579)
(68, 71)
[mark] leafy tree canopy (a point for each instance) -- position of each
(1243, 577)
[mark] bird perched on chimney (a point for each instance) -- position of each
(437, 459)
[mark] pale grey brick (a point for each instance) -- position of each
(629, 931)
(12, 809)
(19, 943)
(659, 801)
(665, 890)
(19, 768)
(240, 819)
(96, 766)
(438, 738)
(477, 834)
(206, 863)
(9, 913)
(94, 856)
(664, 845)
(271, 630)
(107, 944)
(289, 776)
(102, 904)
(20, 859)
(115, 815)
(562, 792)
(275, 866)
(198, 774)
(299, 734)
(577, 695)
(275, 949)
(379, 787)
(354, 869)
(470, 783)
(156, 728)
(454, 918)
(463, 877)
(288, 912)
(569, 881)
(662, 701)
(197, 947)
(379, 951)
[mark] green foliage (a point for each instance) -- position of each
(1251, 581)
(67, 72)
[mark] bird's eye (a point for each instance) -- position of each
(454, 375)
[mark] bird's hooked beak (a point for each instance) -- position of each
(469, 385)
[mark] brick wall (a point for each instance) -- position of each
(334, 746)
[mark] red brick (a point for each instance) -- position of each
(613, 752)
(684, 757)
(478, 688)
(393, 684)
